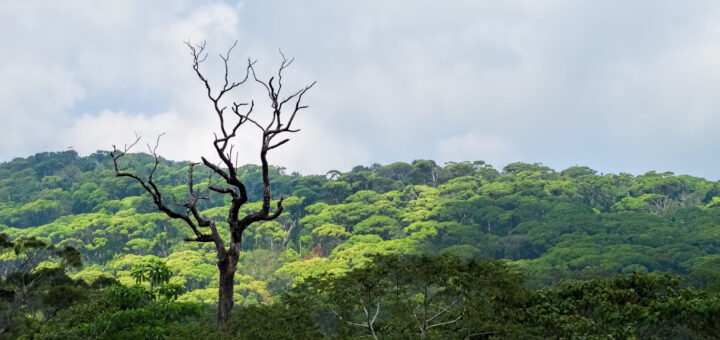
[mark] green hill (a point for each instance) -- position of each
(386, 238)
(550, 224)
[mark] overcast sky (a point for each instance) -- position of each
(620, 86)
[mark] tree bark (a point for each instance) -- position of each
(227, 264)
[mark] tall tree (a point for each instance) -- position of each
(283, 110)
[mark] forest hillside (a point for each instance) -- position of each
(545, 225)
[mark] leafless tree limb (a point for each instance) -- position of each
(152, 189)
(280, 122)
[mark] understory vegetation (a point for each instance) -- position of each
(404, 250)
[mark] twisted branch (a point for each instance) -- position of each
(229, 125)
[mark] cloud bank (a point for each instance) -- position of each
(616, 85)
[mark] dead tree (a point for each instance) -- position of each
(283, 110)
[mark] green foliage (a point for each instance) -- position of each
(529, 212)
(413, 296)
(400, 297)
(122, 312)
(34, 284)
(157, 274)
(290, 320)
(552, 226)
(643, 306)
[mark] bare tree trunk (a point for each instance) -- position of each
(227, 266)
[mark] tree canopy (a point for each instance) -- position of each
(545, 225)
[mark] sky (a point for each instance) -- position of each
(619, 86)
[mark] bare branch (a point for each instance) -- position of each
(225, 60)
(222, 190)
(377, 311)
(445, 323)
(152, 189)
(280, 121)
(278, 144)
(443, 310)
(479, 334)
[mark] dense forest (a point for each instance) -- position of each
(404, 250)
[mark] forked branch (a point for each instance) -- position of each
(151, 188)
(280, 122)
(242, 113)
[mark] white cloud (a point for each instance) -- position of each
(99, 132)
(190, 139)
(33, 100)
(471, 147)
(618, 86)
